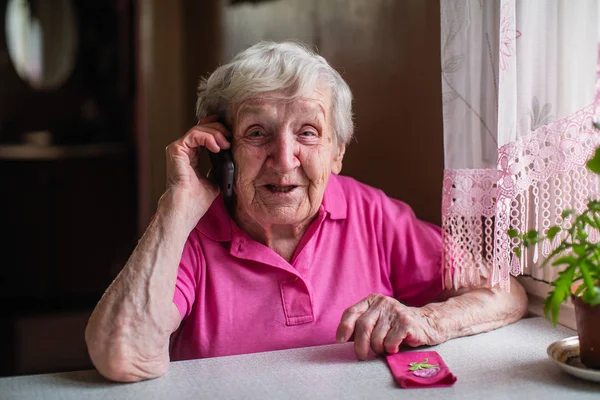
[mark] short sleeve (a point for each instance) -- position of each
(188, 276)
(413, 249)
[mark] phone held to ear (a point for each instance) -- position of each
(222, 171)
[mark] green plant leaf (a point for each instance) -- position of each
(593, 205)
(579, 249)
(517, 251)
(588, 220)
(566, 213)
(579, 290)
(594, 163)
(591, 297)
(513, 233)
(531, 237)
(570, 260)
(553, 231)
(585, 267)
(596, 125)
(581, 234)
(562, 290)
(596, 219)
(564, 245)
(552, 306)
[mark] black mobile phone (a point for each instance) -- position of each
(222, 171)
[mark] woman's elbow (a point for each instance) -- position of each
(122, 369)
(125, 371)
(119, 364)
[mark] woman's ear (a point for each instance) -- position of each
(336, 166)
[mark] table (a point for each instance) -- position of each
(510, 362)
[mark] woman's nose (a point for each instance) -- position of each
(284, 154)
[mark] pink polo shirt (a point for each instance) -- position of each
(236, 295)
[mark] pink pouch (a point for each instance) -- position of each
(420, 369)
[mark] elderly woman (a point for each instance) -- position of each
(302, 257)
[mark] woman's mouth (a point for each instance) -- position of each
(280, 189)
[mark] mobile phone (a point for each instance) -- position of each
(222, 171)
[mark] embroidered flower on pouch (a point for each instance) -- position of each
(426, 373)
(424, 370)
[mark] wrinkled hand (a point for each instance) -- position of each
(383, 324)
(183, 177)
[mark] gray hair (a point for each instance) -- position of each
(268, 66)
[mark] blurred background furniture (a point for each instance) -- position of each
(68, 196)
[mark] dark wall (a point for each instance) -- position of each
(68, 207)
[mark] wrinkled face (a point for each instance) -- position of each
(284, 152)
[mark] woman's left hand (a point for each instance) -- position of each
(383, 324)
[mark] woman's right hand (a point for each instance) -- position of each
(128, 332)
(192, 191)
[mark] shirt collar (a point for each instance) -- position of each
(334, 199)
(217, 223)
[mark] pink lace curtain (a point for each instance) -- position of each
(520, 92)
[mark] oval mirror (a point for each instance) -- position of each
(42, 40)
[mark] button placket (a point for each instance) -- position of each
(294, 288)
(297, 302)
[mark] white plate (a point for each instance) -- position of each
(565, 353)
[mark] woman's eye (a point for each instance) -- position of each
(255, 133)
(308, 133)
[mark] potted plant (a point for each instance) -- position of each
(580, 280)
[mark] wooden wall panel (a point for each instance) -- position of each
(160, 92)
(388, 52)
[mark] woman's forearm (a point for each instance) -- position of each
(476, 311)
(128, 333)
